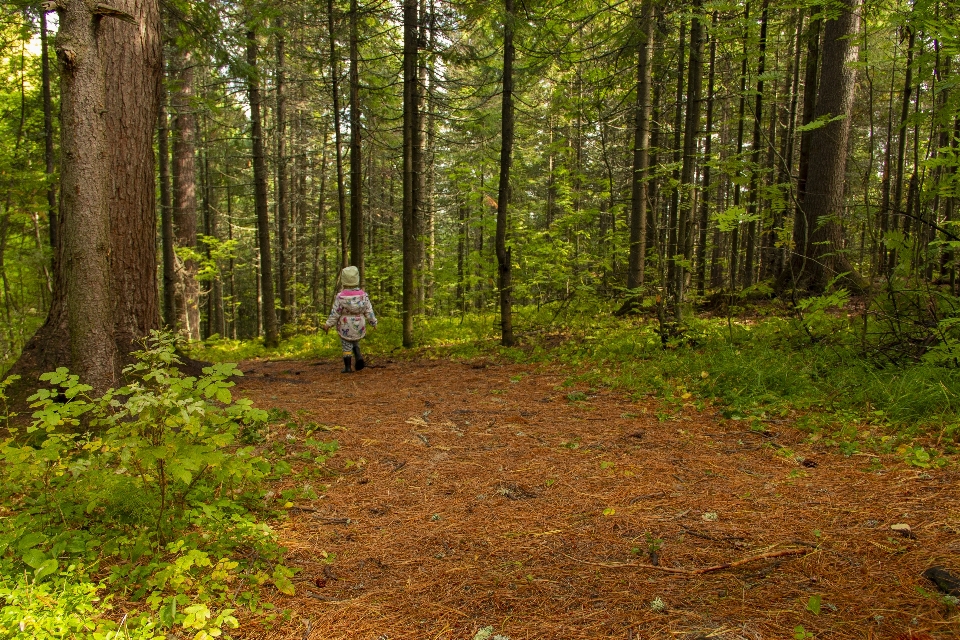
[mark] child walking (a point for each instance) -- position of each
(351, 312)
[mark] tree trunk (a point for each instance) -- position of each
(269, 316)
(166, 222)
(753, 208)
(335, 88)
(283, 201)
(503, 192)
(105, 290)
(672, 249)
(185, 192)
(801, 232)
(410, 178)
(48, 158)
(828, 155)
(641, 153)
(84, 197)
(356, 173)
(701, 261)
(735, 233)
(690, 134)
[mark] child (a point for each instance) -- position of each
(351, 311)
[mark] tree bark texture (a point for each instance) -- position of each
(335, 89)
(185, 192)
(283, 203)
(503, 192)
(828, 153)
(410, 178)
(356, 160)
(641, 151)
(271, 336)
(107, 297)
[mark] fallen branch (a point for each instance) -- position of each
(694, 572)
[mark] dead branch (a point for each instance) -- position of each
(693, 572)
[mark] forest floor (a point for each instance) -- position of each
(478, 494)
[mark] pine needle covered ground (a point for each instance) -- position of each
(482, 498)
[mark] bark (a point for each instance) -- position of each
(753, 207)
(701, 261)
(283, 203)
(828, 154)
(105, 299)
(166, 221)
(185, 192)
(356, 161)
(503, 192)
(641, 152)
(48, 158)
(690, 134)
(268, 312)
(801, 232)
(410, 178)
(735, 234)
(672, 252)
(335, 88)
(84, 197)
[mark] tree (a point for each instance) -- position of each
(823, 258)
(105, 293)
(271, 337)
(503, 193)
(411, 127)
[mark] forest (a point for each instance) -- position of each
(687, 220)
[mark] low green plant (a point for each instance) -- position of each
(148, 490)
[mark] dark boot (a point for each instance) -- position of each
(346, 365)
(356, 352)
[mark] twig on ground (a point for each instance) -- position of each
(693, 572)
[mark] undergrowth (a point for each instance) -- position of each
(141, 513)
(810, 368)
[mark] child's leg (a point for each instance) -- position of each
(359, 356)
(346, 346)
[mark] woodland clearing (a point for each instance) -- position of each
(473, 496)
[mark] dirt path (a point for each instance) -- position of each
(488, 496)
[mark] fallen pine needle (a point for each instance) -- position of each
(694, 572)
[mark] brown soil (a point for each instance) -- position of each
(473, 495)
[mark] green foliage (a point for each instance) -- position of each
(148, 490)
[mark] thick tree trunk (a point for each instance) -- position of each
(185, 192)
(356, 161)
(105, 289)
(503, 192)
(828, 155)
(410, 179)
(271, 337)
(84, 197)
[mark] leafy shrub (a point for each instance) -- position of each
(146, 490)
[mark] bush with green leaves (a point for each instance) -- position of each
(147, 491)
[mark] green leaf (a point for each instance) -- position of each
(813, 604)
(47, 568)
(30, 540)
(34, 558)
(284, 585)
(224, 395)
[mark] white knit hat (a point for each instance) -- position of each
(350, 277)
